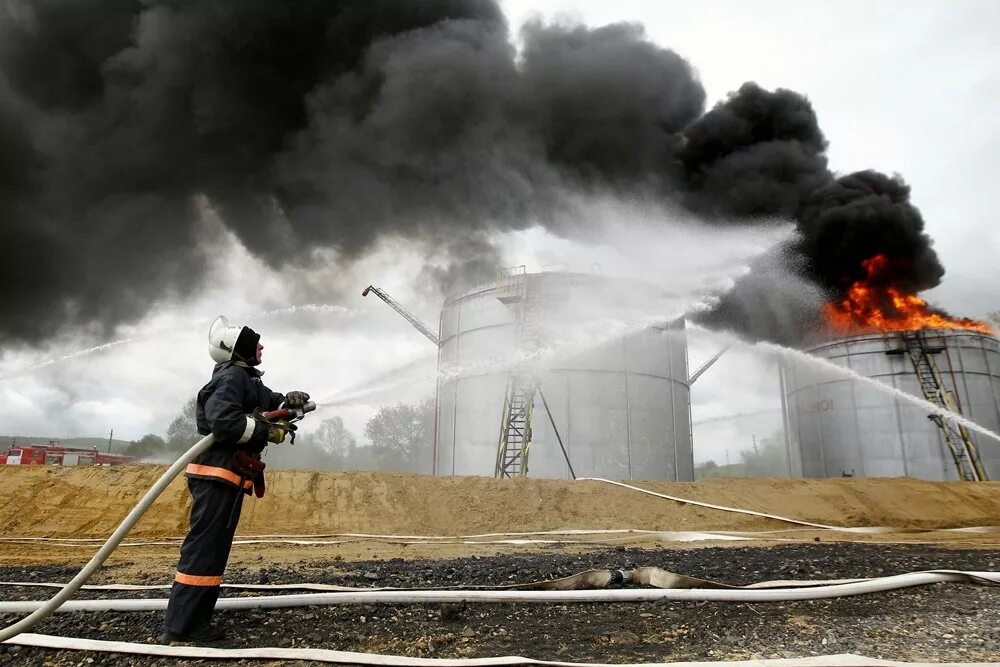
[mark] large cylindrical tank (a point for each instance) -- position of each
(837, 426)
(617, 389)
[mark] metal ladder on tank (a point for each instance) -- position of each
(522, 385)
(515, 432)
(956, 437)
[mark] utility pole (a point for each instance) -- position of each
(754, 436)
(110, 436)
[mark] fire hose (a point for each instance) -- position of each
(332, 656)
(50, 606)
(369, 597)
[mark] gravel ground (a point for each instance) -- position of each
(943, 622)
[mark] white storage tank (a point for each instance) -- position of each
(836, 426)
(616, 383)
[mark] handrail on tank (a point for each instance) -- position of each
(511, 283)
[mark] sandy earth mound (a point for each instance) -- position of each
(947, 622)
(89, 502)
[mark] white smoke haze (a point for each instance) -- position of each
(736, 400)
(625, 241)
(160, 362)
(357, 350)
(648, 241)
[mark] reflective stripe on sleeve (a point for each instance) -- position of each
(248, 431)
(195, 580)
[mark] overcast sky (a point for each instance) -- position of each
(907, 87)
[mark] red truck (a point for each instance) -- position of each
(53, 454)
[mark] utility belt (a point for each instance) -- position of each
(244, 471)
(251, 469)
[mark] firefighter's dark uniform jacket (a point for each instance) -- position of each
(224, 408)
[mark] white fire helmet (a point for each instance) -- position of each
(222, 339)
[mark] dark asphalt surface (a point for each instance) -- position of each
(941, 622)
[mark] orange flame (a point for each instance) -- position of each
(870, 306)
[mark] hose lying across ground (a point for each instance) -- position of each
(567, 536)
(669, 586)
(799, 522)
(368, 597)
(352, 658)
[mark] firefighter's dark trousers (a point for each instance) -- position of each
(203, 555)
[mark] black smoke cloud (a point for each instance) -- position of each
(607, 105)
(862, 215)
(840, 225)
(303, 124)
(330, 124)
(761, 154)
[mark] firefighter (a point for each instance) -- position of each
(228, 407)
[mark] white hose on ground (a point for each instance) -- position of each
(102, 554)
(737, 510)
(332, 656)
(489, 538)
(544, 597)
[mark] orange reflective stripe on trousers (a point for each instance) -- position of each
(195, 580)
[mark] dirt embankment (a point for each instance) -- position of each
(953, 622)
(89, 502)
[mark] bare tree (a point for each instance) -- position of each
(149, 446)
(334, 438)
(183, 430)
(402, 435)
(768, 460)
(330, 447)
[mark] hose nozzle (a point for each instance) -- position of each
(289, 414)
